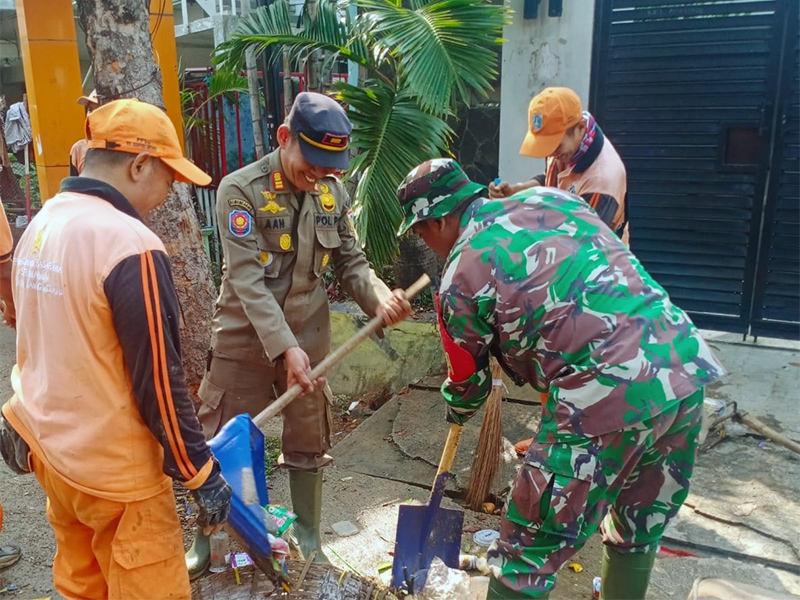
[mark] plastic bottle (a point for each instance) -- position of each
(220, 547)
(467, 562)
(596, 583)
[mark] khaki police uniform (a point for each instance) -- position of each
(277, 245)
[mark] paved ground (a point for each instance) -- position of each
(743, 515)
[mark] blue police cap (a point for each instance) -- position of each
(323, 130)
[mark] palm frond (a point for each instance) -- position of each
(395, 135)
(226, 83)
(271, 25)
(439, 47)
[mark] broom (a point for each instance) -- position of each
(486, 461)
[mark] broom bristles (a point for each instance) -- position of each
(488, 454)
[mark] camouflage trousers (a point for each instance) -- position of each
(629, 482)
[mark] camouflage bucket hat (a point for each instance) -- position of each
(432, 190)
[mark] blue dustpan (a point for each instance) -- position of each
(239, 446)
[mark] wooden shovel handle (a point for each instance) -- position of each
(450, 447)
(335, 357)
(775, 436)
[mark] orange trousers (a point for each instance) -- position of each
(114, 550)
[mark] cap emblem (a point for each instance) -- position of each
(537, 121)
(329, 142)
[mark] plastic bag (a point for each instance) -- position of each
(444, 583)
(278, 519)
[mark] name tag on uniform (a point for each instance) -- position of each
(273, 223)
(326, 220)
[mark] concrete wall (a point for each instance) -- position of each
(538, 53)
(410, 350)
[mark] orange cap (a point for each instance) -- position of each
(550, 114)
(132, 126)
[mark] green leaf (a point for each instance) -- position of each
(271, 25)
(439, 47)
(395, 135)
(422, 56)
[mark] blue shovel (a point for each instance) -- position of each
(425, 532)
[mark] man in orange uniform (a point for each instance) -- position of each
(77, 154)
(9, 554)
(100, 411)
(580, 159)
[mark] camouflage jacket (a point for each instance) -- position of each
(540, 281)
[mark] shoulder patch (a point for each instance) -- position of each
(240, 223)
(240, 203)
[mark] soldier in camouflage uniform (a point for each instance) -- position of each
(541, 283)
(284, 224)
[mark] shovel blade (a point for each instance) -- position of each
(421, 536)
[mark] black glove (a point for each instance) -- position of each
(14, 449)
(213, 498)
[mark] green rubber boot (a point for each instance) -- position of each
(306, 490)
(497, 591)
(625, 576)
(199, 555)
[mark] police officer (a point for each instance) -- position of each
(284, 224)
(540, 282)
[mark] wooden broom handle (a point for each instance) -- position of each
(335, 357)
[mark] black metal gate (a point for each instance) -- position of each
(701, 100)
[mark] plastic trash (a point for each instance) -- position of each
(485, 537)
(278, 519)
(220, 546)
(444, 583)
(280, 547)
(596, 587)
(470, 562)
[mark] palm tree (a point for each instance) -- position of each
(422, 58)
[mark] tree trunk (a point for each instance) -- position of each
(415, 258)
(118, 38)
(288, 92)
(314, 76)
(252, 85)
